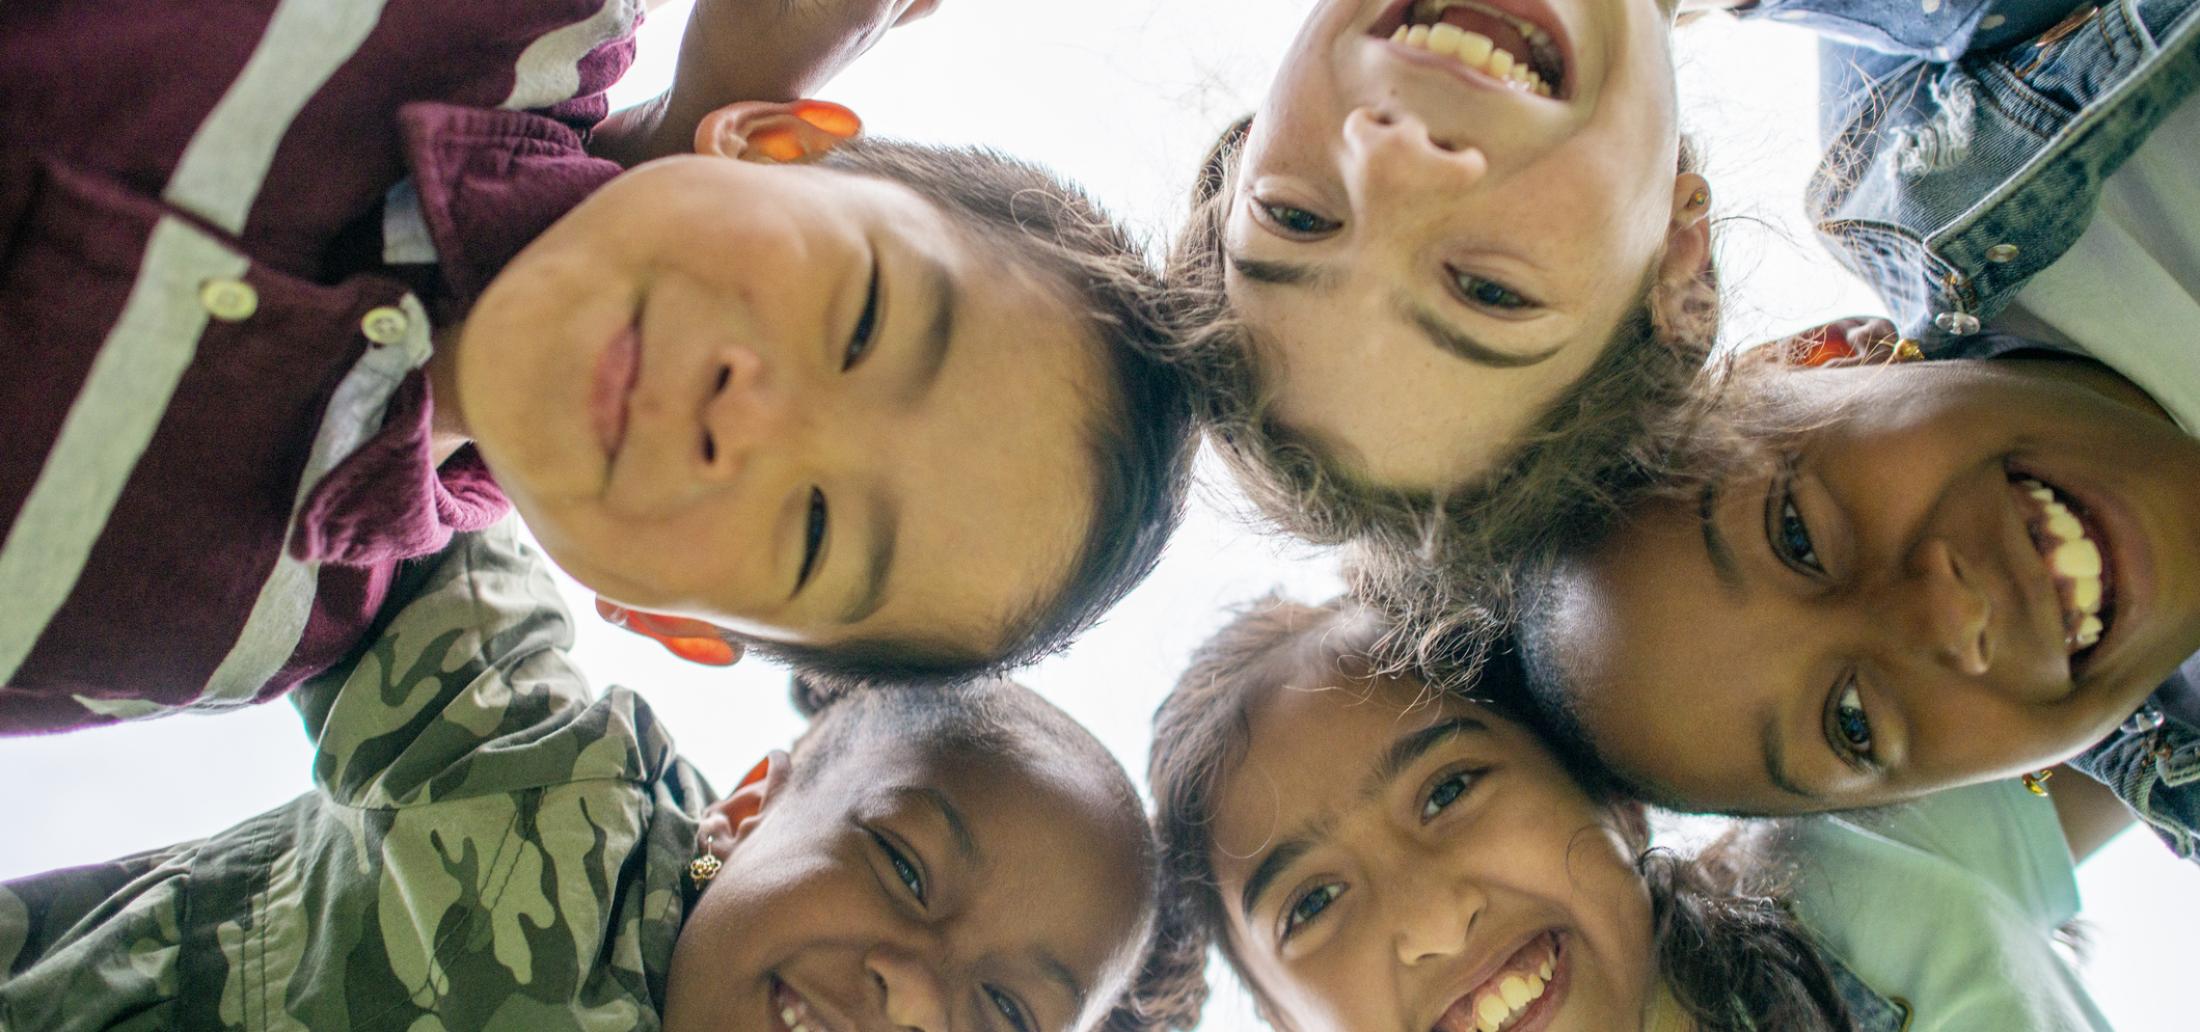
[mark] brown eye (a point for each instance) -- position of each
(1294, 221)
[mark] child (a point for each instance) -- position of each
(1371, 853)
(889, 413)
(1448, 271)
(488, 847)
(1871, 581)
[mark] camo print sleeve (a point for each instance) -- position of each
(487, 848)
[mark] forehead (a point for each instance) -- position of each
(996, 477)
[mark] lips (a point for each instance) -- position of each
(2076, 555)
(792, 1012)
(616, 370)
(1516, 44)
(1522, 995)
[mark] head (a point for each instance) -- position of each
(1868, 582)
(887, 408)
(1374, 854)
(931, 858)
(1415, 266)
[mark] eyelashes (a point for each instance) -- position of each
(813, 538)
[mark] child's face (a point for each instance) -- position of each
(792, 401)
(1880, 618)
(905, 889)
(1392, 865)
(1426, 257)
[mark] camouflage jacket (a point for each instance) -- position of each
(486, 847)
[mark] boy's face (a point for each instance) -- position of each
(1387, 862)
(899, 888)
(1426, 257)
(795, 402)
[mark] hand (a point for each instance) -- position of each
(781, 49)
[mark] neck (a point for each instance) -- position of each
(1665, 1013)
(637, 134)
(446, 421)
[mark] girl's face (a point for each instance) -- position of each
(1894, 608)
(1428, 255)
(1392, 865)
(900, 888)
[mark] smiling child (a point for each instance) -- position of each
(1456, 260)
(878, 408)
(489, 846)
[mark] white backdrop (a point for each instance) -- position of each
(1126, 95)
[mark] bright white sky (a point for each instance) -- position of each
(1126, 95)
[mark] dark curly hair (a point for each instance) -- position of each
(1726, 946)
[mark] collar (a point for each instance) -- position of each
(387, 501)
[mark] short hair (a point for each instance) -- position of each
(986, 717)
(1141, 440)
(1437, 555)
(1734, 956)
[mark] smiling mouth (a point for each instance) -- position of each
(2070, 542)
(1503, 46)
(792, 1013)
(1518, 996)
(617, 369)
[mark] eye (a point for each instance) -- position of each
(1851, 730)
(1488, 293)
(859, 342)
(1296, 222)
(1310, 906)
(905, 869)
(1444, 793)
(1791, 533)
(813, 538)
(1019, 1019)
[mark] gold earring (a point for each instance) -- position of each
(1906, 350)
(2036, 782)
(1701, 198)
(705, 866)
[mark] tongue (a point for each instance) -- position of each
(1497, 29)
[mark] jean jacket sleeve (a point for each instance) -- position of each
(2157, 770)
(1935, 30)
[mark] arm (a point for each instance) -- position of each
(736, 50)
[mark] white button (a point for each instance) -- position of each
(385, 325)
(2001, 252)
(1958, 323)
(229, 300)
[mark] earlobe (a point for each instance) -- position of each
(693, 640)
(1688, 238)
(776, 133)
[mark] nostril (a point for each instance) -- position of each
(1384, 118)
(710, 448)
(725, 376)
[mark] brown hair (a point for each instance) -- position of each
(1141, 439)
(1732, 954)
(1426, 552)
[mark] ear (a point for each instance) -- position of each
(1632, 820)
(916, 9)
(1688, 237)
(693, 640)
(726, 822)
(1857, 340)
(772, 132)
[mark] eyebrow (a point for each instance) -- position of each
(1281, 274)
(1061, 975)
(1714, 543)
(1775, 753)
(1401, 755)
(879, 559)
(966, 844)
(1447, 338)
(938, 334)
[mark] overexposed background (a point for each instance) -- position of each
(1126, 95)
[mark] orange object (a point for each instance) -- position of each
(829, 116)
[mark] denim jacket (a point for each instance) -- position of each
(1967, 140)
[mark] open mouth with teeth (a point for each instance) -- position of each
(1518, 994)
(2075, 552)
(1482, 38)
(794, 1012)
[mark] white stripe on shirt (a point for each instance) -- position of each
(549, 70)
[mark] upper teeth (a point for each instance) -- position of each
(2072, 557)
(1503, 1000)
(1477, 51)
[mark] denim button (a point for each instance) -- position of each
(385, 325)
(229, 300)
(1958, 323)
(2001, 253)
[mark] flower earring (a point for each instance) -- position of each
(1700, 200)
(705, 865)
(2036, 782)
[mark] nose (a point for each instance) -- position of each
(1949, 614)
(1392, 151)
(1433, 913)
(742, 407)
(915, 999)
